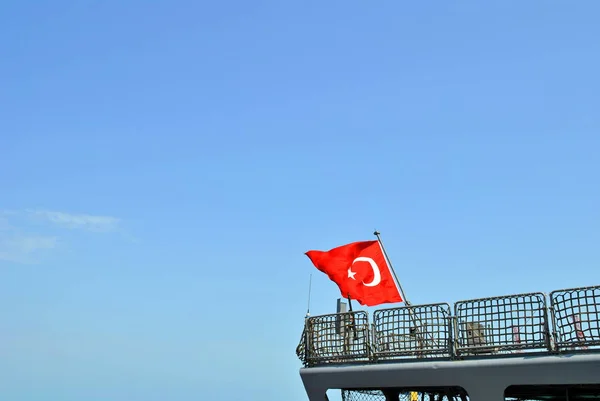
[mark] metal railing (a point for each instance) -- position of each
(483, 327)
(412, 331)
(576, 317)
(339, 337)
(501, 324)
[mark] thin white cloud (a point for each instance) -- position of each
(24, 248)
(79, 221)
(27, 235)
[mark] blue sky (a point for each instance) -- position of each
(165, 165)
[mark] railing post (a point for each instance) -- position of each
(307, 342)
(451, 336)
(547, 333)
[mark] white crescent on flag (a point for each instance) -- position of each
(376, 273)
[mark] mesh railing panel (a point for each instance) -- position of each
(576, 317)
(412, 331)
(378, 395)
(301, 348)
(487, 326)
(362, 395)
(501, 324)
(337, 337)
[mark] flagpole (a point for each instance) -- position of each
(352, 321)
(406, 301)
(309, 288)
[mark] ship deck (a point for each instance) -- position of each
(492, 348)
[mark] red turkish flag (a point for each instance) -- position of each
(360, 271)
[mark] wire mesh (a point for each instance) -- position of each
(363, 395)
(486, 326)
(576, 317)
(301, 348)
(337, 337)
(450, 394)
(501, 325)
(412, 331)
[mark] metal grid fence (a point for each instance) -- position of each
(301, 348)
(412, 331)
(362, 395)
(501, 324)
(576, 317)
(433, 395)
(486, 326)
(337, 337)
